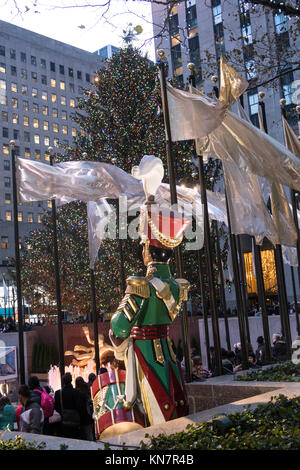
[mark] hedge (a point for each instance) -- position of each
(271, 426)
(285, 372)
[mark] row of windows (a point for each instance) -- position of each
(44, 80)
(43, 63)
(36, 109)
(27, 152)
(34, 93)
(15, 101)
(36, 124)
(30, 218)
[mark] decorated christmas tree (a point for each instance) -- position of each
(120, 120)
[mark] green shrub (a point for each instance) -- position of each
(285, 372)
(18, 443)
(271, 426)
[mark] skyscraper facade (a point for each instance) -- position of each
(40, 80)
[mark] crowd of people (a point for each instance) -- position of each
(232, 360)
(66, 413)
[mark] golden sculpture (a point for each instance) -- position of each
(84, 354)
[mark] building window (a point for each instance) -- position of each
(2, 51)
(16, 134)
(36, 138)
(79, 75)
(14, 102)
(217, 13)
(47, 157)
(281, 23)
(35, 108)
(56, 142)
(23, 57)
(33, 60)
(71, 87)
(251, 71)
(63, 100)
(54, 112)
(253, 107)
(191, 14)
(2, 68)
(53, 82)
(45, 110)
(25, 105)
(37, 154)
(2, 85)
(44, 79)
(8, 216)
(4, 242)
(5, 132)
(46, 126)
(52, 66)
(35, 123)
(14, 87)
(5, 149)
(30, 217)
(40, 218)
(13, 70)
(64, 129)
(7, 198)
(44, 95)
(15, 118)
(286, 82)
(20, 216)
(4, 115)
(13, 54)
(34, 93)
(43, 63)
(34, 76)
(87, 77)
(62, 85)
(46, 141)
(71, 73)
(26, 121)
(62, 69)
(64, 115)
(176, 57)
(26, 136)
(24, 89)
(24, 74)
(6, 165)
(55, 127)
(53, 97)
(74, 132)
(27, 152)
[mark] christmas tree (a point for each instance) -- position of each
(119, 120)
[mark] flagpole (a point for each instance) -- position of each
(208, 251)
(18, 265)
(236, 273)
(222, 290)
(282, 295)
(173, 194)
(95, 320)
(295, 216)
(204, 306)
(57, 282)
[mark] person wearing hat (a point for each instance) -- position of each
(140, 326)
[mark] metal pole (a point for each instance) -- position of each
(222, 290)
(295, 300)
(204, 306)
(294, 203)
(235, 266)
(57, 283)
(173, 193)
(284, 314)
(18, 265)
(208, 252)
(121, 253)
(243, 287)
(262, 300)
(95, 321)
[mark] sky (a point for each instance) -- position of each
(86, 27)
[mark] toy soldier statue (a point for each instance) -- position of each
(140, 327)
